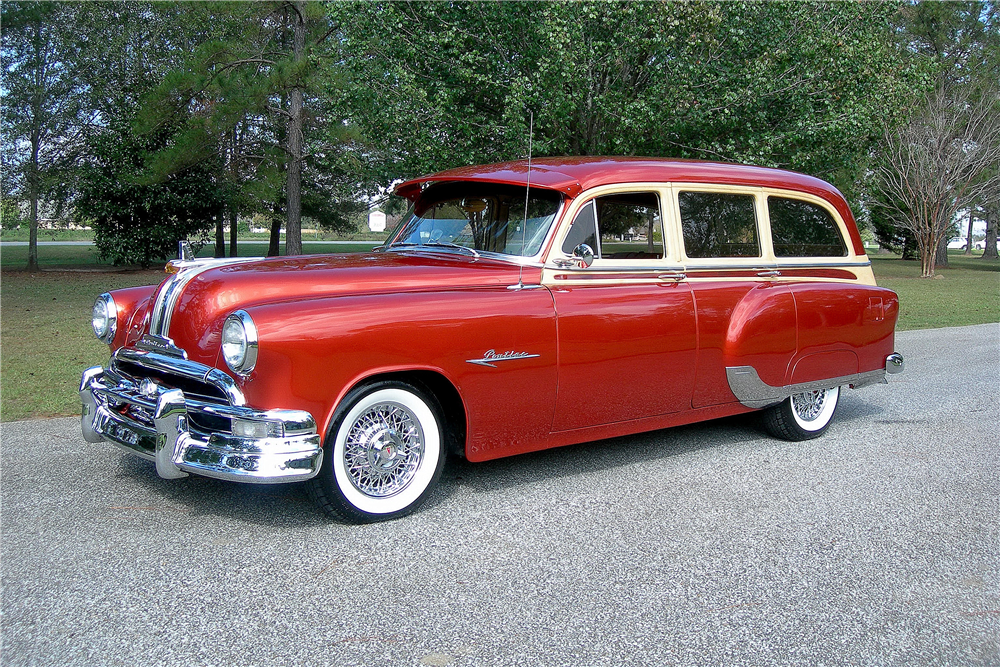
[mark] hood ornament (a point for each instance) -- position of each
(492, 356)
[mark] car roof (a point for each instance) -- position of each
(573, 175)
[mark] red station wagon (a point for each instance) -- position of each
(516, 307)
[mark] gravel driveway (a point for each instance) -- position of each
(877, 544)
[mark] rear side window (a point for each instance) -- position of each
(802, 229)
(717, 224)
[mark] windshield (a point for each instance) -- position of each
(479, 217)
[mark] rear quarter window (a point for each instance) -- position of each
(803, 229)
(717, 224)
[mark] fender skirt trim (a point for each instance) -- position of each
(753, 392)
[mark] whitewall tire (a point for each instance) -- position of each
(802, 416)
(384, 454)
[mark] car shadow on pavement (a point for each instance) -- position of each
(276, 505)
(289, 505)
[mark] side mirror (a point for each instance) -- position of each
(584, 254)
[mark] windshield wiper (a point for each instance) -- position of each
(398, 244)
(445, 244)
(432, 244)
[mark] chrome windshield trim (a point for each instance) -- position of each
(451, 252)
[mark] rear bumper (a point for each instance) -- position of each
(183, 435)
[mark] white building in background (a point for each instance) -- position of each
(376, 221)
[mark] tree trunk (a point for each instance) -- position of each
(33, 227)
(220, 235)
(992, 219)
(274, 244)
(928, 253)
(293, 225)
(233, 230)
(968, 236)
(941, 256)
(33, 200)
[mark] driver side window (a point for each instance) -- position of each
(619, 226)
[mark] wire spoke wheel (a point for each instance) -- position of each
(802, 416)
(809, 406)
(383, 450)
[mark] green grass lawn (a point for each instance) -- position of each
(967, 291)
(46, 339)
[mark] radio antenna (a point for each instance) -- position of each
(527, 194)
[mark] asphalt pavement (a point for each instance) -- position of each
(710, 544)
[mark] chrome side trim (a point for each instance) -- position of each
(775, 265)
(573, 267)
(563, 264)
(753, 392)
(490, 357)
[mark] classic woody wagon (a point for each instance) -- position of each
(516, 307)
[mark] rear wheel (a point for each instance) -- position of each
(383, 456)
(802, 416)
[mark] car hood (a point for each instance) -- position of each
(213, 292)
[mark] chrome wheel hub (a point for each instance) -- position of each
(809, 405)
(383, 449)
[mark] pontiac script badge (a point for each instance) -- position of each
(492, 356)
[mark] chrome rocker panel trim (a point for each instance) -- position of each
(753, 392)
(178, 446)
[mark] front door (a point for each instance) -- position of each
(627, 337)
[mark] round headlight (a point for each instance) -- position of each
(105, 318)
(239, 342)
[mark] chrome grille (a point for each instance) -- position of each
(192, 387)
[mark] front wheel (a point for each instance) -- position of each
(802, 416)
(384, 454)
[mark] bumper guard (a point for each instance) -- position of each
(159, 424)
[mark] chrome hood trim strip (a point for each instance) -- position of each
(170, 292)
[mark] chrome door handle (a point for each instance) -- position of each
(768, 274)
(673, 275)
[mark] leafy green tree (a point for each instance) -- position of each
(70, 70)
(943, 158)
(245, 100)
(794, 85)
(44, 99)
(135, 220)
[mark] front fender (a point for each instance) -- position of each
(312, 353)
(133, 308)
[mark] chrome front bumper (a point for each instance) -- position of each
(184, 435)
